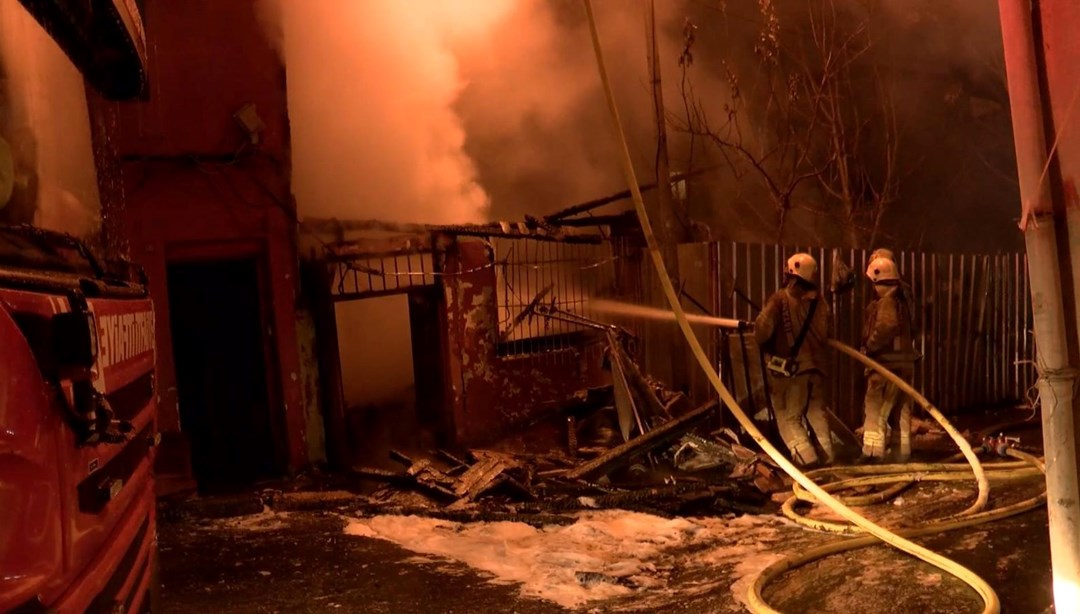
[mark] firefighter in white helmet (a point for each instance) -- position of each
(791, 330)
(888, 339)
(905, 288)
(882, 252)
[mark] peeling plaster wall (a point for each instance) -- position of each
(309, 386)
(191, 184)
(490, 394)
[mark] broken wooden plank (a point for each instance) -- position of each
(479, 476)
(425, 481)
(552, 473)
(592, 451)
(380, 474)
(842, 430)
(458, 465)
(418, 467)
(661, 435)
(640, 384)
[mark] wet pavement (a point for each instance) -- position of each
(1012, 555)
(321, 552)
(304, 561)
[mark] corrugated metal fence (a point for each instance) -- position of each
(974, 319)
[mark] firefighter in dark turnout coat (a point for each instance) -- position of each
(888, 339)
(792, 329)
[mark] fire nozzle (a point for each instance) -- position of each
(1000, 445)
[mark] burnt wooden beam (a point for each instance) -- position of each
(596, 203)
(598, 220)
(621, 454)
(402, 245)
(507, 230)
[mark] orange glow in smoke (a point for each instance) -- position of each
(468, 19)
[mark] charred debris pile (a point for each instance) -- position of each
(633, 445)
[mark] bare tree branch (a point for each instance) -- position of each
(813, 118)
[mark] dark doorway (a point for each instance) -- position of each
(220, 357)
(428, 326)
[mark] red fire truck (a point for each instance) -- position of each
(77, 420)
(77, 400)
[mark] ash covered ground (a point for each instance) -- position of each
(596, 561)
(319, 548)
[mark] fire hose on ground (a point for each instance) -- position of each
(1027, 465)
(899, 539)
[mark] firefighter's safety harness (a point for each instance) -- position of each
(788, 366)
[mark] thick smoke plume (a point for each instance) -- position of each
(375, 135)
(446, 111)
(372, 87)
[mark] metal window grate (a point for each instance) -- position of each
(548, 275)
(371, 276)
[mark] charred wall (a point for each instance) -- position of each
(197, 186)
(490, 394)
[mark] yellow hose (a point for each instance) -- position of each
(965, 447)
(905, 479)
(913, 469)
(989, 597)
(786, 564)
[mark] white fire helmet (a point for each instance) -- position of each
(882, 269)
(804, 267)
(881, 252)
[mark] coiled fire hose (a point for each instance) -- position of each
(757, 600)
(906, 388)
(900, 539)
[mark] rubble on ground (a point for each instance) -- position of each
(633, 445)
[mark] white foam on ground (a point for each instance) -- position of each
(617, 544)
(266, 520)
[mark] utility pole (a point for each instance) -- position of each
(1044, 84)
(668, 357)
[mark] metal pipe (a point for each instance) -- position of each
(1057, 377)
(1057, 380)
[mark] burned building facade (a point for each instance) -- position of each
(200, 170)
(198, 186)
